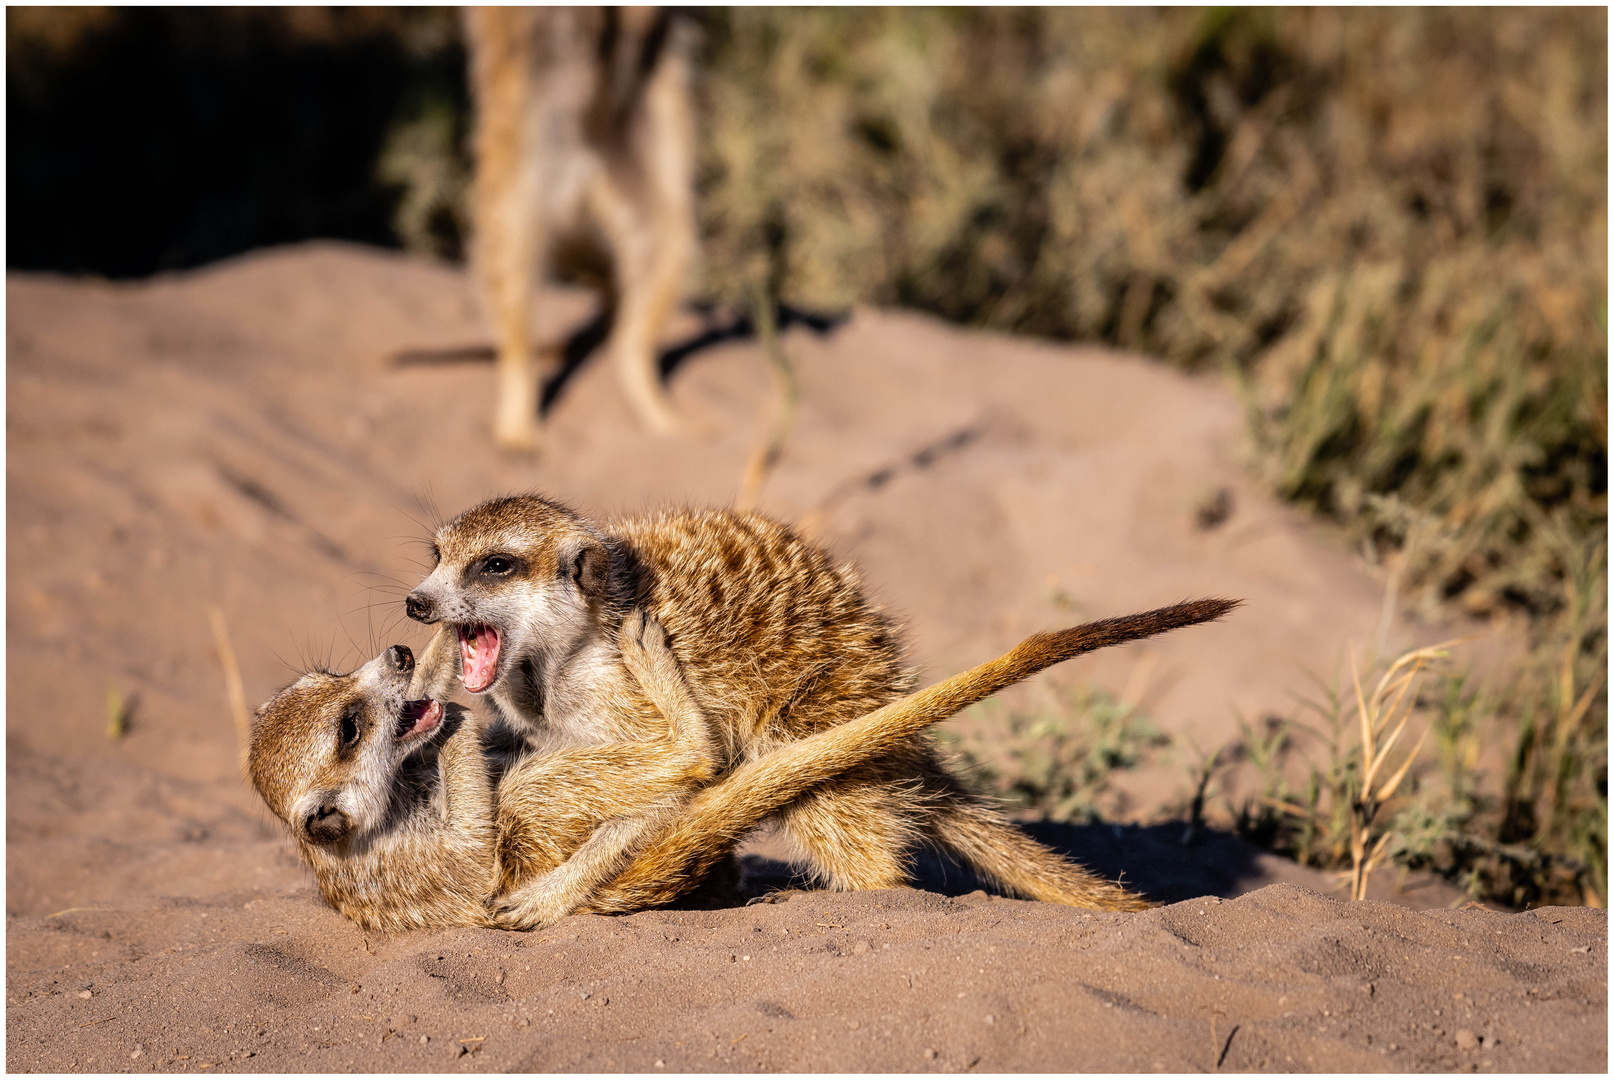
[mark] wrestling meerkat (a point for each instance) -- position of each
(386, 795)
(584, 145)
(390, 794)
(776, 644)
(405, 818)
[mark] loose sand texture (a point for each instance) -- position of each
(242, 439)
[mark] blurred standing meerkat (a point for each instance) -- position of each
(584, 147)
(776, 644)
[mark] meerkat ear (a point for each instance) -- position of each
(589, 566)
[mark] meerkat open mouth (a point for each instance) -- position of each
(479, 656)
(418, 718)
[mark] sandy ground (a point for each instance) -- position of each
(240, 439)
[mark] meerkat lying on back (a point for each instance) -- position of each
(390, 794)
(776, 644)
(409, 821)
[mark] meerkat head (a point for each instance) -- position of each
(326, 750)
(520, 580)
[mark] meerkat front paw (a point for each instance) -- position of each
(646, 655)
(530, 909)
(437, 669)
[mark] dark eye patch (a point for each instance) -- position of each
(348, 734)
(500, 565)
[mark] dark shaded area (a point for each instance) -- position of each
(583, 341)
(588, 337)
(1149, 859)
(741, 327)
(148, 139)
(1237, 51)
(1153, 860)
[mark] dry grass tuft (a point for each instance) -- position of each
(1532, 832)
(1389, 225)
(1393, 697)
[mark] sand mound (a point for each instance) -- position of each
(238, 439)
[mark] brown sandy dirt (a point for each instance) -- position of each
(239, 438)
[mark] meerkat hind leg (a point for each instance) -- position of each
(999, 853)
(860, 835)
(650, 254)
(1009, 859)
(857, 832)
(645, 304)
(509, 229)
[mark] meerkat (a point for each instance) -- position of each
(704, 829)
(390, 793)
(776, 644)
(385, 795)
(584, 146)
(408, 822)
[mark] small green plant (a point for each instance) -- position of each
(1058, 761)
(1204, 777)
(1535, 834)
(118, 711)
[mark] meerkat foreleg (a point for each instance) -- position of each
(858, 832)
(467, 788)
(437, 668)
(652, 246)
(506, 210)
(645, 653)
(512, 277)
(689, 760)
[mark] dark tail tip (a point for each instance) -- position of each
(1191, 612)
(1176, 616)
(1123, 628)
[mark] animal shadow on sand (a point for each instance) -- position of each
(1152, 860)
(588, 337)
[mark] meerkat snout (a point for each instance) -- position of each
(401, 659)
(326, 823)
(420, 608)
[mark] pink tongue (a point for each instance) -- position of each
(479, 657)
(430, 713)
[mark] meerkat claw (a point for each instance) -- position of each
(514, 915)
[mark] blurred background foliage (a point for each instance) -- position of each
(1388, 227)
(145, 139)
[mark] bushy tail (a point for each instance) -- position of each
(716, 818)
(1002, 854)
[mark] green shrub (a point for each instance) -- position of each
(1057, 761)
(1389, 226)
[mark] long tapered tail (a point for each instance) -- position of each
(716, 818)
